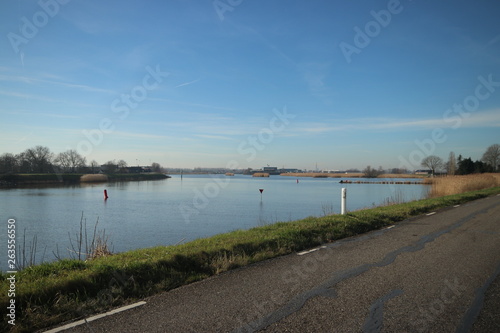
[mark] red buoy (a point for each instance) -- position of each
(105, 194)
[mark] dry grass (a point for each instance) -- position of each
(442, 186)
(348, 175)
(89, 178)
(81, 249)
(401, 175)
(322, 175)
(99, 246)
(260, 174)
(227, 260)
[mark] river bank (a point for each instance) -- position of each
(13, 180)
(50, 293)
(349, 175)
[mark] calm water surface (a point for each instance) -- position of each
(164, 212)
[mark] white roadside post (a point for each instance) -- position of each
(344, 195)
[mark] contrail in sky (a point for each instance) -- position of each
(186, 83)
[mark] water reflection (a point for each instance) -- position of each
(150, 213)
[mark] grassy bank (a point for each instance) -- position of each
(71, 178)
(51, 293)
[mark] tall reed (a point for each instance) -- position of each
(83, 248)
(27, 253)
(261, 174)
(93, 178)
(448, 185)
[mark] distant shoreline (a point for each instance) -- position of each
(348, 175)
(13, 180)
(311, 174)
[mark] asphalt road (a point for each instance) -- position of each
(427, 274)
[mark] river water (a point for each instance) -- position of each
(179, 209)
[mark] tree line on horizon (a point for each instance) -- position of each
(490, 162)
(40, 159)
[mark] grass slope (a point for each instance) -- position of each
(51, 293)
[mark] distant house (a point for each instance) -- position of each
(273, 170)
(423, 172)
(270, 169)
(288, 170)
(138, 169)
(108, 168)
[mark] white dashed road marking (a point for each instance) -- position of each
(83, 321)
(310, 251)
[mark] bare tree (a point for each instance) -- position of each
(156, 167)
(370, 172)
(492, 156)
(8, 163)
(432, 162)
(94, 166)
(122, 165)
(398, 171)
(452, 164)
(76, 161)
(70, 160)
(110, 167)
(39, 159)
(23, 164)
(62, 161)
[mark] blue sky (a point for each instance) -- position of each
(343, 84)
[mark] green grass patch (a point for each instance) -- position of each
(51, 293)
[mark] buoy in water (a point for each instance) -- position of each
(105, 194)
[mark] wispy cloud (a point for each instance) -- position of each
(27, 96)
(187, 83)
(489, 118)
(143, 136)
(45, 115)
(215, 137)
(32, 80)
(201, 105)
